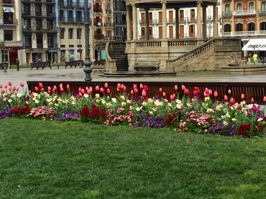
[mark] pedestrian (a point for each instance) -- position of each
(255, 57)
(249, 57)
(17, 63)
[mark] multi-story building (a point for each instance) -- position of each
(103, 27)
(120, 20)
(39, 33)
(245, 19)
(71, 38)
(10, 30)
(187, 22)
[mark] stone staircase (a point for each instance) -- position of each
(117, 55)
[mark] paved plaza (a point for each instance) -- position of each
(77, 74)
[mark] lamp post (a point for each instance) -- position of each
(4, 39)
(87, 70)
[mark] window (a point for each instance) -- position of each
(26, 9)
(50, 24)
(28, 41)
(78, 16)
(39, 41)
(251, 27)
(227, 9)
(263, 6)
(8, 35)
(239, 7)
(227, 28)
(251, 6)
(62, 33)
(38, 10)
(38, 24)
(70, 33)
(78, 33)
(108, 34)
(50, 40)
(239, 27)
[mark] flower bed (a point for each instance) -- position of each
(185, 114)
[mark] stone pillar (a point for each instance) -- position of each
(204, 31)
(233, 26)
(164, 20)
(135, 29)
(177, 23)
(129, 23)
(199, 34)
(215, 29)
(147, 31)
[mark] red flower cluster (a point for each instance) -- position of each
(244, 130)
(93, 113)
(170, 119)
(21, 111)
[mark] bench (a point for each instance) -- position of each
(41, 64)
(4, 65)
(147, 66)
(74, 63)
(99, 62)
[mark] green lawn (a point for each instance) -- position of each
(69, 160)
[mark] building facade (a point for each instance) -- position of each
(71, 18)
(39, 33)
(120, 22)
(245, 19)
(11, 40)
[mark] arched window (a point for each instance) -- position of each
(251, 6)
(227, 28)
(239, 7)
(239, 27)
(227, 9)
(251, 27)
(263, 26)
(263, 6)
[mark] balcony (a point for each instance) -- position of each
(108, 11)
(108, 24)
(97, 10)
(227, 14)
(10, 22)
(244, 12)
(151, 21)
(52, 45)
(39, 45)
(8, 1)
(80, 5)
(97, 23)
(262, 12)
(99, 37)
(170, 20)
(71, 20)
(27, 45)
(245, 33)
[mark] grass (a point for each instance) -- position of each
(69, 160)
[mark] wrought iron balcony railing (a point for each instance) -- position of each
(244, 12)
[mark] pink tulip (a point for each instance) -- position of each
(239, 106)
(232, 101)
(206, 90)
(206, 94)
(1, 86)
(82, 91)
(68, 87)
(36, 88)
(143, 94)
(134, 86)
(136, 90)
(5, 86)
(215, 94)
(264, 99)
(210, 92)
(9, 83)
(176, 87)
(54, 88)
(106, 85)
(3, 91)
(118, 86)
(97, 88)
(160, 89)
(186, 92)
(124, 88)
(225, 98)
(141, 86)
(21, 84)
(88, 91)
(132, 92)
(80, 94)
(164, 94)
(10, 88)
(229, 91)
(172, 97)
(183, 87)
(252, 100)
(102, 90)
(40, 85)
(108, 91)
(242, 96)
(61, 89)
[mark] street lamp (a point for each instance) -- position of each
(4, 39)
(88, 63)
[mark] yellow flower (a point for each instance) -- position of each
(144, 104)
(260, 119)
(97, 95)
(227, 115)
(150, 100)
(86, 95)
(219, 107)
(128, 101)
(114, 100)
(225, 123)
(122, 97)
(189, 105)
(233, 119)
(206, 99)
(10, 100)
(150, 113)
(108, 105)
(123, 103)
(209, 110)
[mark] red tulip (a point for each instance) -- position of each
(239, 106)
(108, 91)
(143, 93)
(164, 94)
(136, 90)
(210, 92)
(264, 98)
(225, 98)
(229, 91)
(61, 89)
(102, 90)
(1, 86)
(145, 88)
(242, 96)
(3, 91)
(172, 97)
(36, 88)
(9, 83)
(106, 85)
(160, 90)
(21, 84)
(40, 85)
(176, 87)
(141, 86)
(183, 87)
(186, 92)
(5, 86)
(132, 92)
(232, 101)
(196, 91)
(68, 87)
